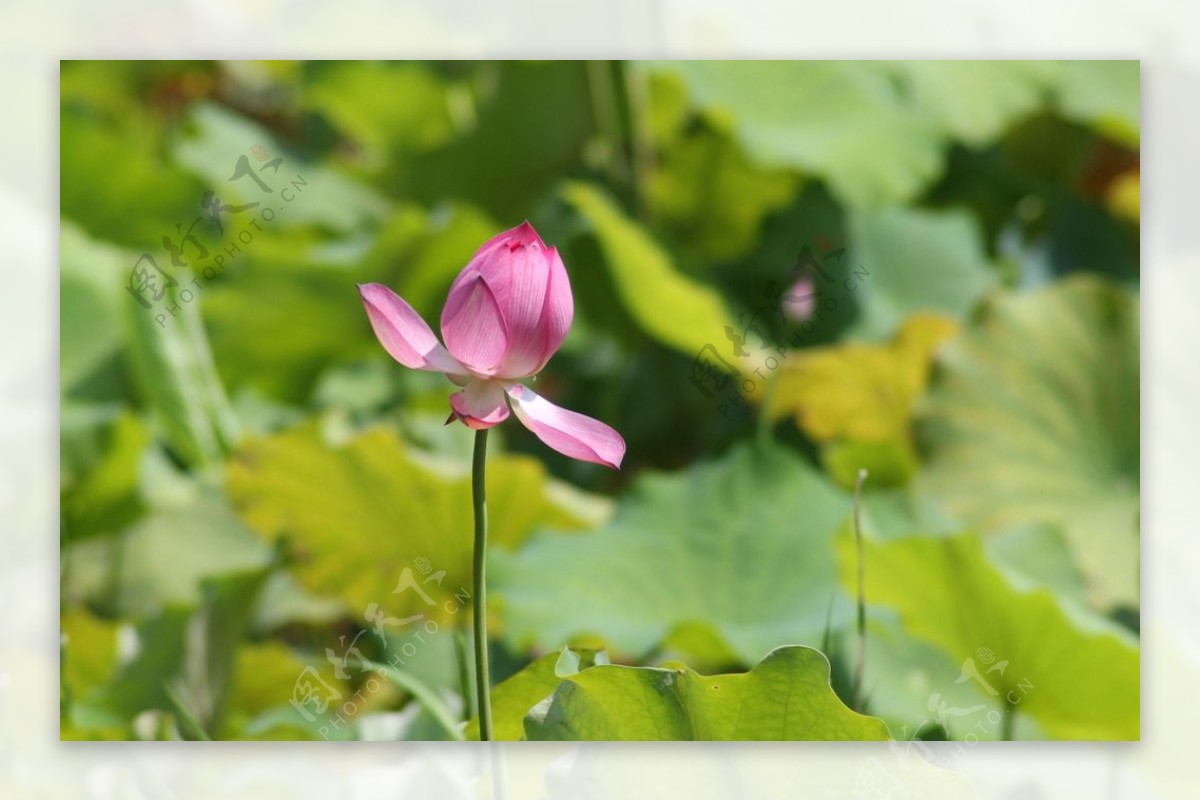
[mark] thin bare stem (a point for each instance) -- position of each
(862, 591)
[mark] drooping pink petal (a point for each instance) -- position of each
(570, 433)
(403, 334)
(481, 404)
(474, 329)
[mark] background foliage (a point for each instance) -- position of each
(250, 486)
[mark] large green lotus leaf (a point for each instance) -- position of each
(1077, 677)
(843, 121)
(516, 695)
(740, 546)
(1037, 555)
(785, 697)
(915, 260)
(357, 514)
(976, 101)
(914, 685)
(1033, 417)
(668, 305)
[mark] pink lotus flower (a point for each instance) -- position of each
(507, 313)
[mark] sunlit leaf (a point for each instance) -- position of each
(1124, 196)
(785, 697)
(672, 308)
(89, 646)
(265, 679)
(356, 516)
(857, 399)
(860, 391)
(516, 695)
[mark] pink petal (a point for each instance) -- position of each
(403, 334)
(800, 302)
(473, 327)
(481, 404)
(559, 309)
(570, 433)
(532, 291)
(519, 278)
(523, 234)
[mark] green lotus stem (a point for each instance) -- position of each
(478, 493)
(464, 670)
(862, 589)
(1006, 723)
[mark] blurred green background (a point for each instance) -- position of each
(256, 500)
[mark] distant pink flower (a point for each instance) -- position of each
(507, 313)
(800, 303)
